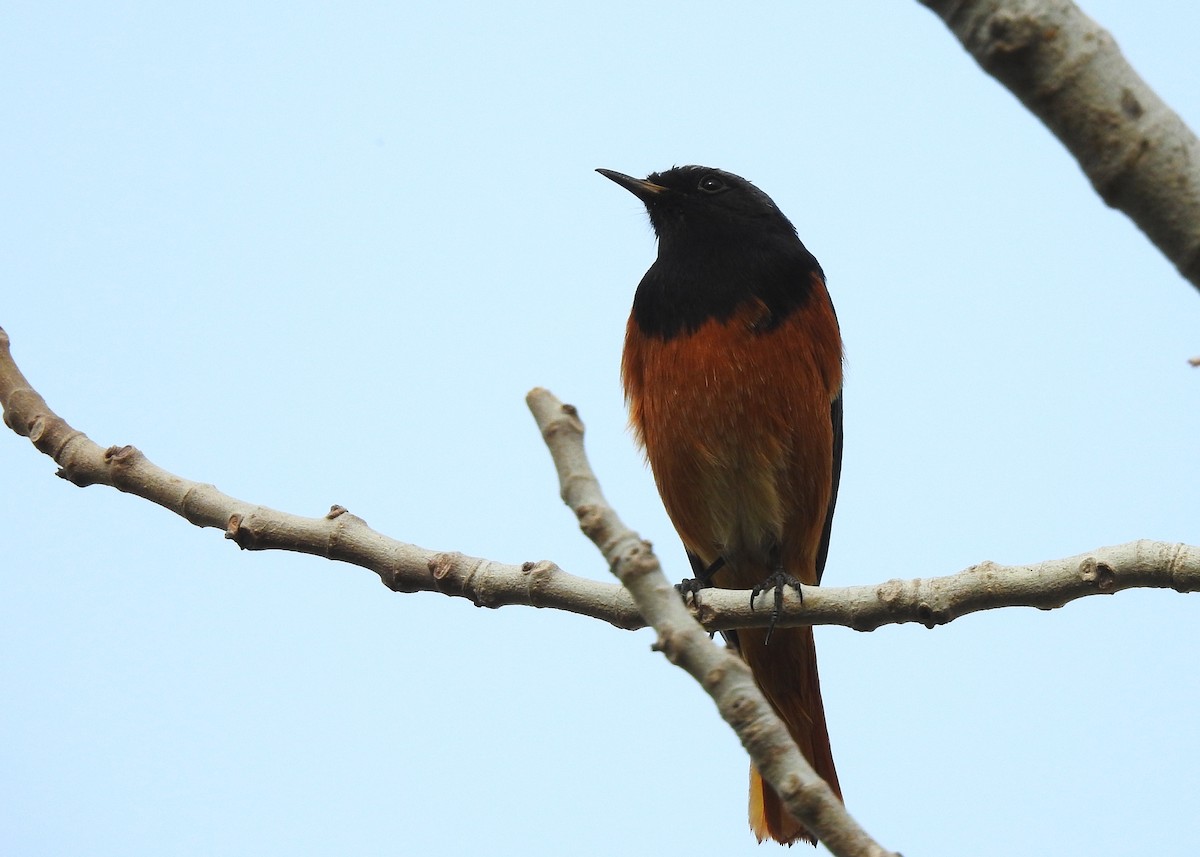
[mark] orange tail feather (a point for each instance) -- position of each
(786, 672)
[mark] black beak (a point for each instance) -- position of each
(643, 190)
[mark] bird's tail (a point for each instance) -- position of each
(786, 672)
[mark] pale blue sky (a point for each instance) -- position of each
(317, 255)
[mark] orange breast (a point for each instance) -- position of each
(735, 421)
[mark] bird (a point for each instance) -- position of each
(732, 372)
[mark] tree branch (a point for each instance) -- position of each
(686, 644)
(935, 601)
(405, 567)
(1138, 154)
(338, 535)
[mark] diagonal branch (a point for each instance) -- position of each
(1138, 154)
(687, 645)
(338, 535)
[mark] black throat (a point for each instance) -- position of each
(690, 285)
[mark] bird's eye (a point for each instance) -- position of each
(711, 184)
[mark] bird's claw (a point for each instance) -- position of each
(776, 580)
(689, 589)
(703, 580)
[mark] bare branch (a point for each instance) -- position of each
(1138, 154)
(408, 568)
(935, 601)
(338, 535)
(686, 644)
(405, 567)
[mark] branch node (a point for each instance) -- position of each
(1099, 574)
(569, 422)
(441, 565)
(926, 615)
(37, 429)
(70, 468)
(239, 535)
(335, 511)
(1011, 32)
(538, 576)
(713, 678)
(890, 592)
(636, 562)
(1130, 105)
(670, 644)
(120, 456)
(1175, 568)
(119, 460)
(743, 715)
(810, 795)
(591, 521)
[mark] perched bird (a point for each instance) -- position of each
(733, 375)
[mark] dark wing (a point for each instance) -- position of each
(835, 414)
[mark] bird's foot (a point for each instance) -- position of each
(703, 579)
(776, 580)
(690, 588)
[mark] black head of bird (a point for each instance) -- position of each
(700, 205)
(721, 242)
